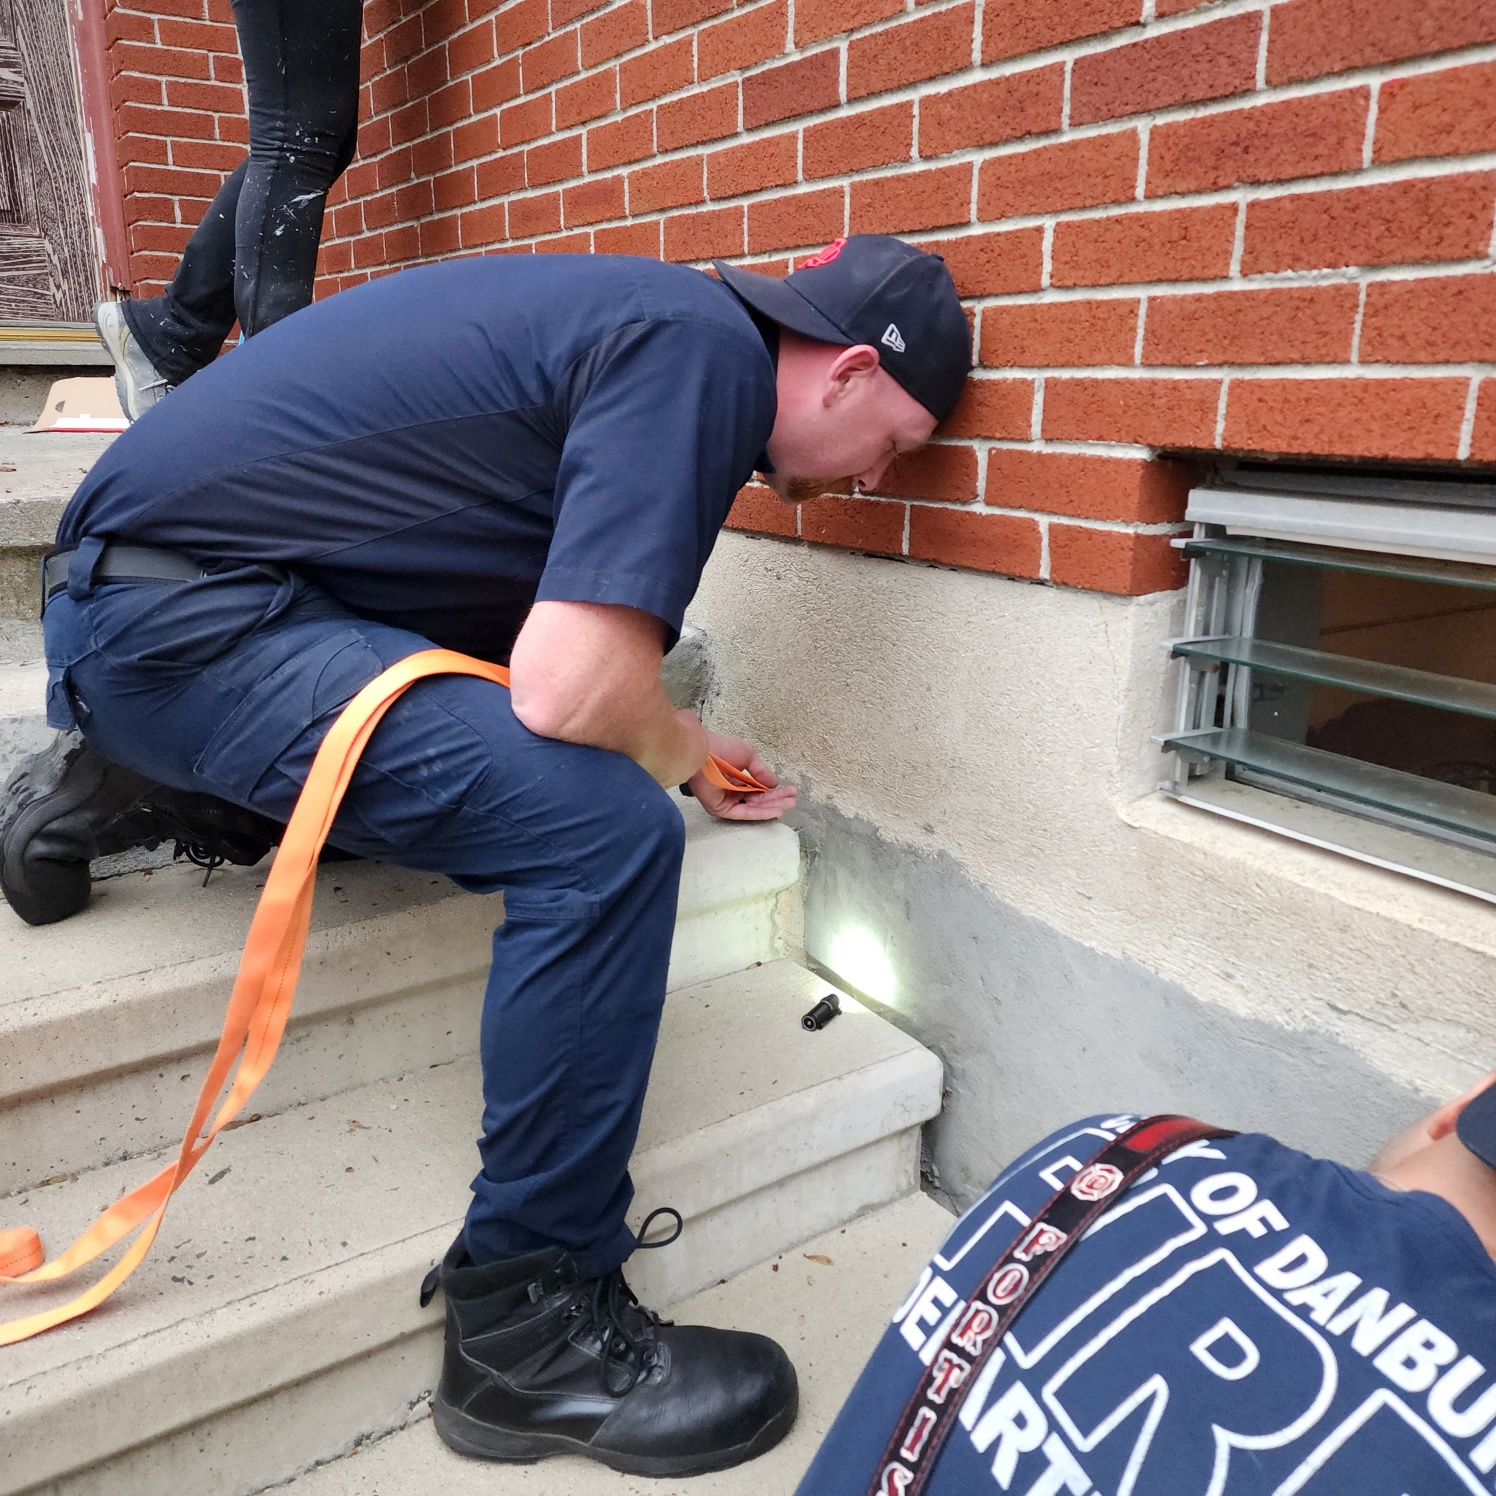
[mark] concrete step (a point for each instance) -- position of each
(107, 1019)
(827, 1314)
(38, 473)
(277, 1322)
(23, 717)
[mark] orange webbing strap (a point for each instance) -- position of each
(261, 1000)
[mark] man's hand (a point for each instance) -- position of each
(741, 754)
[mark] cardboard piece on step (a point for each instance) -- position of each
(82, 405)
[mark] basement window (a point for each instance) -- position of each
(1338, 682)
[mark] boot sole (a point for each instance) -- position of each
(466, 1435)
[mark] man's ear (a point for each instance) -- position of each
(1442, 1122)
(849, 369)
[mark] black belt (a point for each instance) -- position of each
(123, 563)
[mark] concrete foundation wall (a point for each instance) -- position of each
(988, 858)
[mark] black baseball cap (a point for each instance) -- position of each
(874, 289)
(1476, 1126)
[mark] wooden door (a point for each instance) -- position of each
(49, 270)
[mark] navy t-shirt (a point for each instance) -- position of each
(442, 447)
(1246, 1321)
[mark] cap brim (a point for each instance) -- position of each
(781, 303)
(1476, 1126)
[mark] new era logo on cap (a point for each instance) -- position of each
(877, 290)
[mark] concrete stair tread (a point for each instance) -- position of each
(828, 1317)
(38, 473)
(313, 1240)
(140, 979)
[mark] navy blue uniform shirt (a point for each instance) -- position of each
(1245, 1321)
(442, 447)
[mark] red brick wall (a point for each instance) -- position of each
(1256, 226)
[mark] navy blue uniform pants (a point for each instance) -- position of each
(228, 685)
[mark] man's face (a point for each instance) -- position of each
(842, 420)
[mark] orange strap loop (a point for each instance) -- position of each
(261, 1000)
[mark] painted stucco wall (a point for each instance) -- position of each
(979, 812)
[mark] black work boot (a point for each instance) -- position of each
(541, 1362)
(69, 804)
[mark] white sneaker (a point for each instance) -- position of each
(137, 380)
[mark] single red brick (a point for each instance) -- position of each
(196, 36)
(483, 225)
(1292, 325)
(668, 184)
(621, 141)
(673, 15)
(131, 88)
(1171, 244)
(696, 118)
(616, 31)
(912, 200)
(1004, 543)
(1000, 409)
(1115, 488)
(427, 71)
(794, 220)
(495, 85)
(593, 201)
(389, 90)
(1059, 334)
(1352, 417)
(379, 212)
(911, 51)
(434, 154)
(474, 138)
(760, 511)
(213, 97)
(124, 26)
(181, 124)
(440, 19)
(521, 24)
(1483, 438)
(793, 88)
(944, 472)
(549, 61)
(456, 189)
(628, 239)
(746, 39)
(1309, 38)
(1449, 319)
(993, 264)
(704, 235)
(526, 121)
(1013, 28)
(1121, 562)
(771, 162)
(587, 99)
(501, 175)
(448, 105)
(565, 244)
(555, 161)
(564, 12)
(1069, 174)
(853, 142)
(1209, 61)
(1151, 412)
(472, 49)
(206, 155)
(440, 236)
(1392, 223)
(1273, 142)
(857, 524)
(992, 111)
(529, 216)
(415, 200)
(664, 68)
(1452, 113)
(818, 20)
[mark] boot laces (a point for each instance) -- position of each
(627, 1330)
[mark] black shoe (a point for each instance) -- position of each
(68, 804)
(540, 1362)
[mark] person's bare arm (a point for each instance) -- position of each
(590, 673)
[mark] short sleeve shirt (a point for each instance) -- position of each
(1246, 1321)
(444, 446)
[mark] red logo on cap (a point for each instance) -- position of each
(824, 256)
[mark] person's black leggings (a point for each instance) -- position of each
(254, 255)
